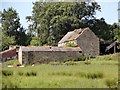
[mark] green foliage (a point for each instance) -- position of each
(11, 62)
(9, 84)
(10, 21)
(51, 21)
(117, 34)
(101, 28)
(6, 41)
(94, 75)
(81, 58)
(28, 73)
(111, 83)
(97, 75)
(20, 73)
(61, 73)
(34, 41)
(32, 73)
(71, 44)
(64, 76)
(7, 72)
(70, 63)
(12, 30)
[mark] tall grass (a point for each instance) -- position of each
(78, 75)
(7, 72)
(112, 83)
(97, 75)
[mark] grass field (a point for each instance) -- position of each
(99, 72)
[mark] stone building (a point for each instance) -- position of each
(45, 54)
(83, 38)
(71, 46)
(8, 54)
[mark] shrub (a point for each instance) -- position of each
(94, 75)
(7, 72)
(111, 83)
(81, 58)
(8, 84)
(87, 62)
(32, 73)
(20, 73)
(70, 63)
(71, 44)
(80, 74)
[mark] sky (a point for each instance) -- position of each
(24, 8)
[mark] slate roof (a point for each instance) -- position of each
(50, 48)
(72, 35)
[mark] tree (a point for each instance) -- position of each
(117, 34)
(101, 28)
(51, 21)
(5, 41)
(10, 21)
(11, 27)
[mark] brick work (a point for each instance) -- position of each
(7, 54)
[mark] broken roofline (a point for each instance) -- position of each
(50, 48)
(69, 36)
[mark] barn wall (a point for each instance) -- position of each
(8, 54)
(32, 57)
(89, 43)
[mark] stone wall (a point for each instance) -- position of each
(31, 57)
(89, 43)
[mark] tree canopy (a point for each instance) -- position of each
(11, 29)
(51, 21)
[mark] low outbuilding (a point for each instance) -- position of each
(45, 54)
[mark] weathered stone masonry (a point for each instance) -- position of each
(33, 55)
(85, 41)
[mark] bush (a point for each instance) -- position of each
(87, 62)
(32, 73)
(20, 73)
(81, 58)
(94, 75)
(70, 63)
(71, 44)
(8, 84)
(80, 74)
(111, 83)
(29, 73)
(7, 72)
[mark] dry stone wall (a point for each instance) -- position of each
(31, 57)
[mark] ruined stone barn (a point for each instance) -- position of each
(83, 38)
(45, 54)
(71, 46)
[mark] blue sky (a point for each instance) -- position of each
(24, 8)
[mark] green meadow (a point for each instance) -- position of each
(98, 72)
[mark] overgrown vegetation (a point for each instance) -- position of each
(112, 83)
(48, 28)
(30, 73)
(7, 72)
(97, 75)
(101, 73)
